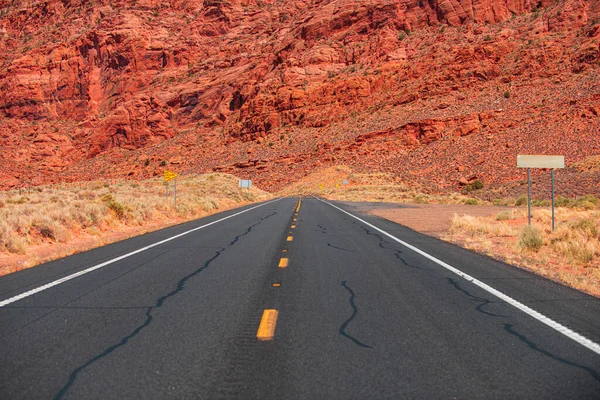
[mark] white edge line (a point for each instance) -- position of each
(582, 340)
(95, 267)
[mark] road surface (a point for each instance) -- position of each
(293, 300)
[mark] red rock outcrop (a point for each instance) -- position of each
(95, 90)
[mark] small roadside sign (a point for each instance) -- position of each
(533, 161)
(245, 183)
(169, 175)
(539, 161)
(345, 182)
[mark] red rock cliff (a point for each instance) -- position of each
(79, 81)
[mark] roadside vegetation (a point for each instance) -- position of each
(46, 222)
(570, 254)
(376, 187)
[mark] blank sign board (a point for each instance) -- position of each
(245, 183)
(531, 161)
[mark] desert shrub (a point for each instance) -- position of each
(10, 241)
(561, 201)
(475, 185)
(541, 203)
(587, 226)
(530, 238)
(113, 205)
(20, 200)
(471, 202)
(5, 233)
(506, 94)
(521, 201)
(45, 227)
(16, 245)
(577, 249)
(468, 223)
(504, 216)
(504, 202)
(421, 199)
(588, 202)
(2, 204)
(117, 208)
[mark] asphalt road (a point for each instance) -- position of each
(356, 315)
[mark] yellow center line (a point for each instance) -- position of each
(284, 262)
(268, 322)
(284, 251)
(290, 238)
(299, 202)
(293, 226)
(276, 284)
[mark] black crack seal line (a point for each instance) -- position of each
(482, 302)
(354, 312)
(149, 318)
(509, 328)
(397, 253)
(339, 248)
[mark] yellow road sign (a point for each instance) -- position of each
(169, 175)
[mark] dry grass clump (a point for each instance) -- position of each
(58, 213)
(530, 238)
(505, 216)
(587, 202)
(474, 226)
(578, 240)
(569, 254)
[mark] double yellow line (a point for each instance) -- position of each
(268, 322)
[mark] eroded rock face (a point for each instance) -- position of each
(84, 84)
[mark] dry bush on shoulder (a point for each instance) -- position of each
(530, 238)
(505, 216)
(479, 225)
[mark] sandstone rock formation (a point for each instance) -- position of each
(275, 89)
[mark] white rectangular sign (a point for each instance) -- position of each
(532, 161)
(245, 183)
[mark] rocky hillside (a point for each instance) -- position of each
(437, 91)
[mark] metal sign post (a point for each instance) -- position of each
(552, 199)
(168, 175)
(535, 161)
(529, 196)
